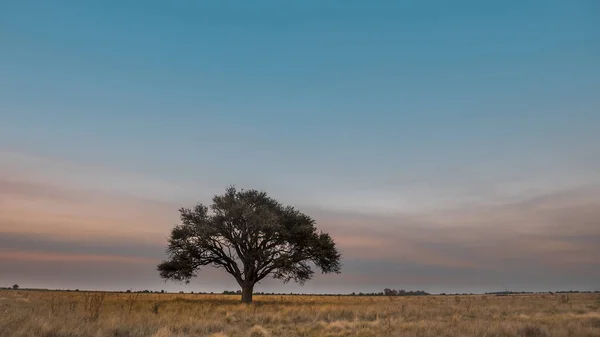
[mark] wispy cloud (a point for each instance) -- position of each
(27, 169)
(554, 235)
(28, 256)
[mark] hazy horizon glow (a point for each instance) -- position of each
(444, 149)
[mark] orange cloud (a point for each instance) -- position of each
(36, 208)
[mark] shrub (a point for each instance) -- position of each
(258, 331)
(533, 331)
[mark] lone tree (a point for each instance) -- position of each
(251, 236)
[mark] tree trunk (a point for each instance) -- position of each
(247, 290)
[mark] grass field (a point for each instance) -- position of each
(71, 314)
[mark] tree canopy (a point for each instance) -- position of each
(251, 236)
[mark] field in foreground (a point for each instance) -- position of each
(75, 314)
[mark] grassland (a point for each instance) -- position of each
(71, 314)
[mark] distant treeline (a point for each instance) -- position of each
(506, 293)
(385, 292)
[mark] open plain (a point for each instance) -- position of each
(29, 313)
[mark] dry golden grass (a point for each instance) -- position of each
(82, 314)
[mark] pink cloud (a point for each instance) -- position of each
(33, 256)
(558, 232)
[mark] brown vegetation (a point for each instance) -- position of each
(83, 314)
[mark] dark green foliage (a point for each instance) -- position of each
(402, 292)
(251, 236)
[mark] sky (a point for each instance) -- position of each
(445, 146)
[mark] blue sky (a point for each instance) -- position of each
(385, 108)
